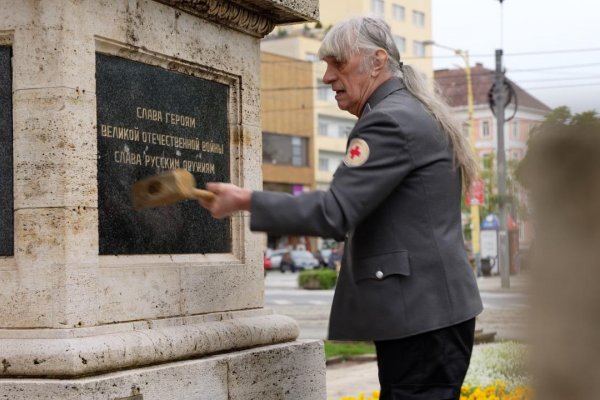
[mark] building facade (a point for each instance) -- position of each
(287, 128)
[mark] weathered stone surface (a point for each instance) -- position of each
(69, 309)
(56, 154)
(252, 377)
(101, 353)
(292, 371)
(254, 17)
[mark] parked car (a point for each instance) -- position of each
(267, 264)
(298, 260)
(325, 254)
(275, 256)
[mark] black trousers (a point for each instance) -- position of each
(428, 366)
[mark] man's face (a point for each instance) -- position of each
(351, 84)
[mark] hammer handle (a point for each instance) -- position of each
(201, 194)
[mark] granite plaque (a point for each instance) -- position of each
(151, 120)
(6, 154)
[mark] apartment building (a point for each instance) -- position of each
(287, 127)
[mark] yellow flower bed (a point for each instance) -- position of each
(498, 391)
(362, 396)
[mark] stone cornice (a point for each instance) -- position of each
(254, 17)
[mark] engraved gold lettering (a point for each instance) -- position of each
(171, 141)
(199, 167)
(161, 162)
(182, 120)
(123, 157)
(120, 132)
(211, 147)
(149, 114)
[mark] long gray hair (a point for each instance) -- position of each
(366, 35)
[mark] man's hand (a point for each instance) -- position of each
(228, 199)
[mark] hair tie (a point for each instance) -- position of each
(400, 64)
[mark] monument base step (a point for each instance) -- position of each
(288, 371)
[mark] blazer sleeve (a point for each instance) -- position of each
(354, 193)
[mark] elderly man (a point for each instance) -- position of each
(405, 281)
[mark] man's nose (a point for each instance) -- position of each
(329, 76)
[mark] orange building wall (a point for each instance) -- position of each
(287, 109)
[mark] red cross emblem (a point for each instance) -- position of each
(355, 152)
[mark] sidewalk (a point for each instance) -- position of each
(518, 284)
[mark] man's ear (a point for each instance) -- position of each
(380, 59)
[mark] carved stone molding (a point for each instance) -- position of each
(253, 20)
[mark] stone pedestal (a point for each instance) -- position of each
(99, 301)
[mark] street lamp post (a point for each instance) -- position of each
(475, 221)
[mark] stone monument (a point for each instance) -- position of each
(97, 300)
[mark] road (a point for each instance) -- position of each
(505, 311)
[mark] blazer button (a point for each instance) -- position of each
(379, 274)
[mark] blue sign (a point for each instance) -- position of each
(491, 222)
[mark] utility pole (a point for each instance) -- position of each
(500, 102)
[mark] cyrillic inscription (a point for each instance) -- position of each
(151, 120)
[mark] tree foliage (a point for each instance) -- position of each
(564, 139)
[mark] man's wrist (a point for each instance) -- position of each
(245, 199)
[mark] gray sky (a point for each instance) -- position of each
(530, 26)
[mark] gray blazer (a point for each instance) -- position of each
(404, 269)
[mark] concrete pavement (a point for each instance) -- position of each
(505, 313)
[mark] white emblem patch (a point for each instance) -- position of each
(357, 154)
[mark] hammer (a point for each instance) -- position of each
(167, 188)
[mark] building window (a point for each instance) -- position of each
(323, 128)
(377, 7)
(335, 127)
(311, 57)
(418, 49)
(298, 151)
(329, 161)
(465, 129)
(515, 129)
(323, 164)
(418, 18)
(398, 12)
(485, 129)
(323, 92)
(400, 43)
(285, 150)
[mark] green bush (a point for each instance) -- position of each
(346, 349)
(317, 279)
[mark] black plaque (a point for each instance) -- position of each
(6, 154)
(151, 120)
